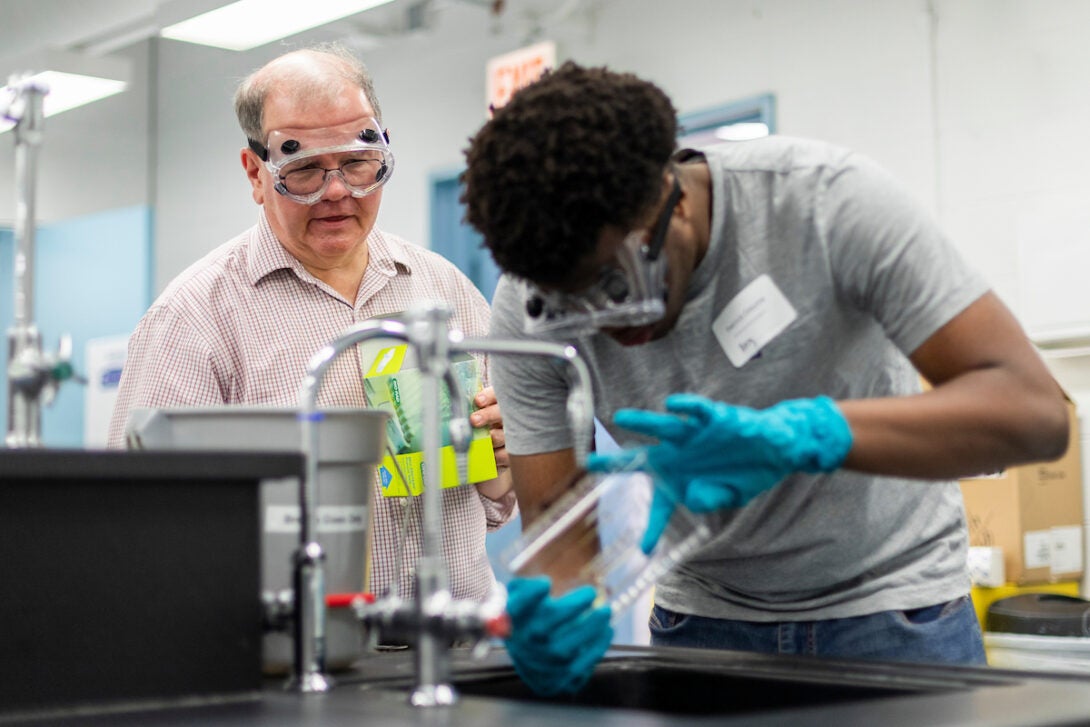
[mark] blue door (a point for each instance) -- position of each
(455, 240)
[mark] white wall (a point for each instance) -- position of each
(851, 71)
(1013, 124)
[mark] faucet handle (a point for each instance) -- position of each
(495, 627)
(499, 626)
(341, 600)
(481, 649)
(277, 610)
(56, 368)
(39, 374)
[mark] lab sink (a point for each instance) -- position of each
(699, 688)
(679, 690)
(702, 683)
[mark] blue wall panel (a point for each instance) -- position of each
(92, 279)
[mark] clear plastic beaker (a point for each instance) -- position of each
(593, 534)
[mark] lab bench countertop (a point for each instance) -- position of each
(90, 614)
(692, 688)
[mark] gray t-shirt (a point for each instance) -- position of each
(870, 277)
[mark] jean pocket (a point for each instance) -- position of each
(663, 619)
(937, 612)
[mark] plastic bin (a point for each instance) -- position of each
(1039, 631)
(351, 443)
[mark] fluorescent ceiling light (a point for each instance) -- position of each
(69, 90)
(742, 131)
(249, 23)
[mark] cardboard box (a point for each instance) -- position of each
(1034, 513)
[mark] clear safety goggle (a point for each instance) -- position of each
(303, 161)
(629, 293)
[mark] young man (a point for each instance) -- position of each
(789, 295)
(240, 325)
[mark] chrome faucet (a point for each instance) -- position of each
(308, 566)
(434, 618)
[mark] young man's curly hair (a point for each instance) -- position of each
(573, 152)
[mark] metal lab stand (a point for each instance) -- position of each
(33, 376)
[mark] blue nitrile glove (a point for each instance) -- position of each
(555, 642)
(713, 455)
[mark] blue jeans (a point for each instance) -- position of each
(946, 633)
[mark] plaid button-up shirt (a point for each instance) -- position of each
(240, 325)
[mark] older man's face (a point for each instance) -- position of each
(333, 231)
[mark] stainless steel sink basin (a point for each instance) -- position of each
(706, 683)
(700, 689)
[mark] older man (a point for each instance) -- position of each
(239, 325)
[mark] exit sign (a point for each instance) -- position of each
(508, 73)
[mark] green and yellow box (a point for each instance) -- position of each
(393, 384)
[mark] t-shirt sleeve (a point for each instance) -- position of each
(889, 256)
(532, 390)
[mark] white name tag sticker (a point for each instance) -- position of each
(756, 315)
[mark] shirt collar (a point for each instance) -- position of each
(267, 254)
(387, 254)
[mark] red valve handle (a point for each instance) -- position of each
(342, 600)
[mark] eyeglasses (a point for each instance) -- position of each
(358, 173)
(629, 292)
